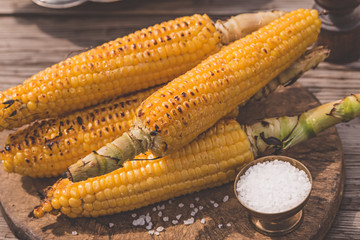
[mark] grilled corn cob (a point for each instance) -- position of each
(211, 160)
(48, 147)
(140, 60)
(177, 113)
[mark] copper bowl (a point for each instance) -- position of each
(275, 224)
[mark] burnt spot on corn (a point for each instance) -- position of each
(179, 108)
(13, 113)
(141, 112)
(157, 128)
(271, 140)
(264, 123)
(9, 103)
(7, 147)
(79, 120)
(153, 133)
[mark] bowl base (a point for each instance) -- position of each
(279, 227)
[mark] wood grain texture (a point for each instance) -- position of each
(322, 155)
(32, 38)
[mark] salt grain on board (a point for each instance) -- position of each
(226, 198)
(189, 221)
(160, 229)
(273, 186)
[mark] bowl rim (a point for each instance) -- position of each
(291, 160)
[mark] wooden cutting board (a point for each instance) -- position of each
(224, 220)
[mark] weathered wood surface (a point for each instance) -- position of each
(32, 38)
(322, 155)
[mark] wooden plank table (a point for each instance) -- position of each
(32, 38)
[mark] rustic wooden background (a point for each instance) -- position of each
(32, 38)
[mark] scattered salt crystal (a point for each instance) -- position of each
(111, 225)
(192, 205)
(160, 229)
(203, 221)
(140, 221)
(154, 209)
(197, 199)
(181, 205)
(226, 198)
(165, 219)
(228, 225)
(194, 211)
(220, 226)
(74, 233)
(178, 216)
(133, 215)
(273, 186)
(174, 222)
(189, 221)
(156, 233)
(212, 201)
(149, 226)
(147, 218)
(151, 232)
(201, 207)
(160, 213)
(216, 204)
(162, 207)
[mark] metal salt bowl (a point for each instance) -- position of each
(275, 224)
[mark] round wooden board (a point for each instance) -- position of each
(322, 155)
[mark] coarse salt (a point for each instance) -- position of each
(160, 229)
(226, 198)
(273, 187)
(189, 221)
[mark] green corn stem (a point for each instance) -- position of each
(275, 134)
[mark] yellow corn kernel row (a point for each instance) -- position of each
(211, 160)
(46, 148)
(146, 58)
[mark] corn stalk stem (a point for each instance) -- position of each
(275, 134)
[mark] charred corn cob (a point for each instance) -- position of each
(211, 160)
(177, 113)
(140, 60)
(48, 147)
